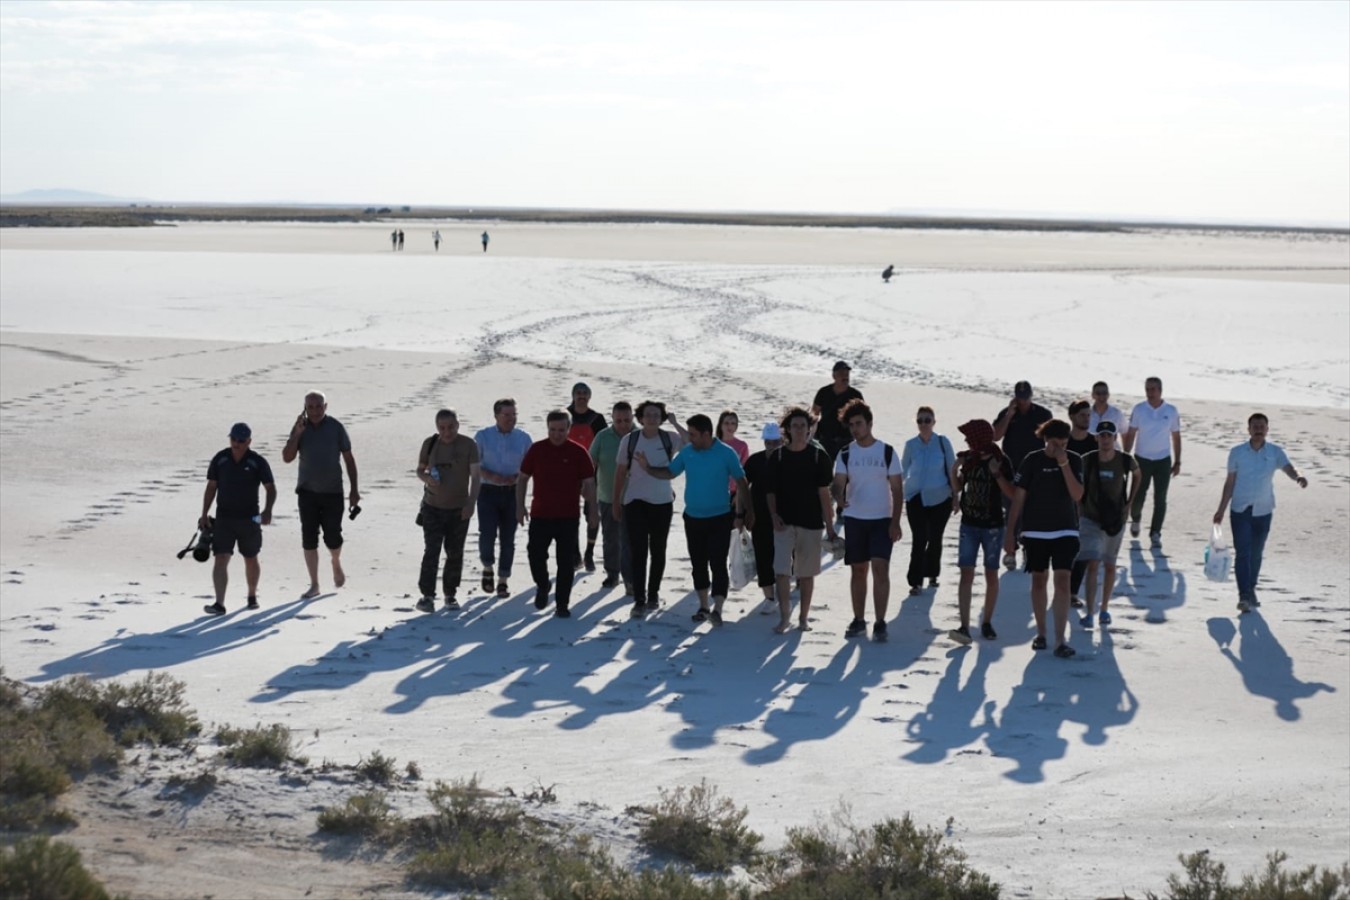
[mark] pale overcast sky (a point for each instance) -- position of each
(1206, 110)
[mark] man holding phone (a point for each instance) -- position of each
(321, 441)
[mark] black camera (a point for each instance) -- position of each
(200, 543)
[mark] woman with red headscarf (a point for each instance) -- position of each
(983, 478)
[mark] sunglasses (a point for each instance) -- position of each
(925, 420)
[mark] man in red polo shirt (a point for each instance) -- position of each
(563, 473)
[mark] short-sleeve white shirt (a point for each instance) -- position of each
(1156, 427)
(869, 488)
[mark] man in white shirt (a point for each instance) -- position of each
(1251, 490)
(1104, 411)
(1155, 427)
(869, 486)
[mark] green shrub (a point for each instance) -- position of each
(259, 747)
(37, 868)
(696, 825)
(1206, 879)
(893, 859)
(377, 768)
(365, 814)
(152, 709)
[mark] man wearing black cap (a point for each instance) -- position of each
(1110, 481)
(586, 423)
(833, 436)
(232, 481)
(1016, 426)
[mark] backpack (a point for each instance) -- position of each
(1110, 512)
(633, 436)
(887, 451)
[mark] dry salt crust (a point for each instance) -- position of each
(125, 355)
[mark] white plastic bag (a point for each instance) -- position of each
(1218, 556)
(742, 566)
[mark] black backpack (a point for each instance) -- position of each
(888, 452)
(633, 436)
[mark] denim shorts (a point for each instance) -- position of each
(972, 539)
(1095, 544)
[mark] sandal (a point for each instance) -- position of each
(1039, 643)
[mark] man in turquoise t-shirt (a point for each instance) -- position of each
(708, 466)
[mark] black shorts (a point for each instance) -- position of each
(1050, 553)
(866, 540)
(246, 532)
(321, 510)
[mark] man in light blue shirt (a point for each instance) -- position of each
(501, 447)
(1250, 489)
(708, 466)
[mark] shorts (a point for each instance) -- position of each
(246, 532)
(320, 510)
(866, 540)
(973, 539)
(796, 552)
(1050, 553)
(1095, 544)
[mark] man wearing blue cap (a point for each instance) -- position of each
(232, 481)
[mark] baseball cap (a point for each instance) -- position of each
(1106, 426)
(1022, 390)
(842, 365)
(240, 432)
(772, 432)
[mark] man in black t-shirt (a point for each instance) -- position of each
(799, 478)
(585, 423)
(1015, 426)
(833, 435)
(1046, 492)
(232, 481)
(761, 533)
(1082, 443)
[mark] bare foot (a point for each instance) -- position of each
(782, 628)
(339, 577)
(311, 593)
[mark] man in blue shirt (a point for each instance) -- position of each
(232, 481)
(501, 447)
(708, 466)
(1250, 489)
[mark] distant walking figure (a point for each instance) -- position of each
(393, 240)
(400, 239)
(485, 241)
(436, 239)
(886, 274)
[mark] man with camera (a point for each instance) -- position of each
(232, 481)
(321, 441)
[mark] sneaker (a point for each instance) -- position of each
(628, 589)
(1086, 622)
(215, 609)
(451, 604)
(1103, 618)
(855, 628)
(487, 579)
(1010, 561)
(987, 631)
(879, 632)
(1134, 529)
(768, 605)
(715, 618)
(611, 581)
(915, 590)
(933, 583)
(1243, 605)
(701, 615)
(563, 612)
(502, 590)
(639, 610)
(653, 603)
(1255, 603)
(1064, 651)
(1039, 643)
(590, 559)
(253, 603)
(540, 596)
(960, 635)
(426, 604)
(1155, 538)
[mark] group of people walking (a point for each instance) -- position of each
(1062, 491)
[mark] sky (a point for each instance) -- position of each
(1222, 111)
